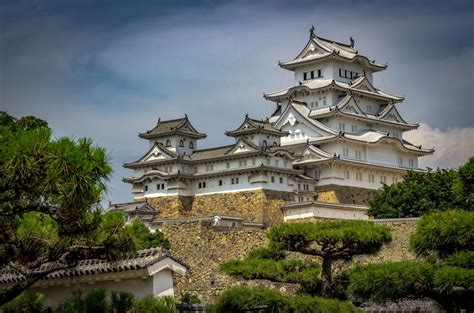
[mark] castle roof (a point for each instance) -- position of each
(360, 86)
(318, 49)
(347, 106)
(181, 126)
(139, 260)
(253, 126)
(374, 137)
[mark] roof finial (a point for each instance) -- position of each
(352, 42)
(185, 115)
(311, 32)
(159, 119)
(246, 116)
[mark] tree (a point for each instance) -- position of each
(420, 193)
(446, 241)
(243, 299)
(50, 192)
(330, 241)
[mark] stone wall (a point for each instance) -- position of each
(256, 205)
(344, 194)
(203, 248)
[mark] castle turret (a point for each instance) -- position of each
(260, 133)
(177, 135)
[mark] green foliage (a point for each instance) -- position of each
(286, 270)
(121, 302)
(448, 278)
(241, 299)
(444, 233)
(464, 259)
(50, 192)
(330, 240)
(96, 301)
(151, 304)
(189, 298)
(25, 302)
(420, 193)
(145, 239)
(390, 280)
(343, 238)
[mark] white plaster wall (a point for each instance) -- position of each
(315, 211)
(163, 283)
(325, 67)
(55, 295)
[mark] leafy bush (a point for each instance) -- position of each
(25, 302)
(144, 238)
(189, 298)
(151, 304)
(121, 302)
(390, 280)
(464, 259)
(420, 193)
(444, 233)
(240, 299)
(96, 301)
(448, 278)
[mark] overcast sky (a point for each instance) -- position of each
(110, 69)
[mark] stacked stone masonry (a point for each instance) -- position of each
(203, 248)
(343, 194)
(258, 205)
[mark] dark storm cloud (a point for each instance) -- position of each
(109, 69)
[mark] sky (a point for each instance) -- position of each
(109, 69)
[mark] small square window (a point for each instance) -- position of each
(220, 182)
(281, 180)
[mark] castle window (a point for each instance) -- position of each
(227, 164)
(264, 143)
(299, 186)
(268, 161)
(348, 175)
(354, 128)
(400, 161)
(232, 181)
(369, 126)
(312, 74)
(300, 199)
(200, 185)
(146, 187)
(383, 179)
(411, 162)
(276, 162)
(305, 76)
(181, 143)
(359, 176)
(371, 178)
(358, 155)
(254, 161)
(342, 126)
(319, 73)
(207, 167)
(236, 180)
(281, 180)
(168, 143)
(220, 182)
(160, 186)
(340, 72)
(273, 179)
(369, 109)
(191, 145)
(324, 101)
(345, 152)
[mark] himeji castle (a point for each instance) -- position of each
(332, 140)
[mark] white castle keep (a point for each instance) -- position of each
(332, 131)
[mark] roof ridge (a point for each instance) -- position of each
(214, 148)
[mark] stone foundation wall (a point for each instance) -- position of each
(257, 205)
(203, 248)
(344, 194)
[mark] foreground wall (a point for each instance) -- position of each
(203, 248)
(256, 205)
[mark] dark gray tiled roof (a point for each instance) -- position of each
(132, 207)
(251, 125)
(169, 127)
(134, 261)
